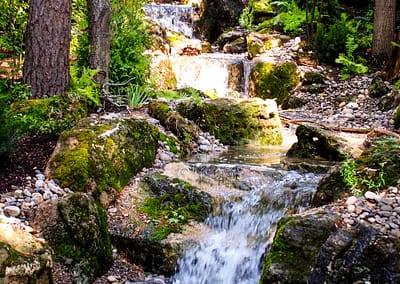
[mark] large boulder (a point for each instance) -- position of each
(259, 43)
(163, 207)
(76, 229)
(312, 248)
(273, 81)
(376, 168)
(101, 154)
(315, 142)
(295, 248)
(236, 121)
(218, 16)
(23, 257)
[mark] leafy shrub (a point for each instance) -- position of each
(348, 62)
(82, 84)
(131, 38)
(345, 36)
(79, 47)
(13, 19)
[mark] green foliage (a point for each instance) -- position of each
(349, 37)
(348, 62)
(10, 91)
(82, 84)
(290, 17)
(246, 18)
(13, 19)
(360, 180)
(79, 47)
(131, 38)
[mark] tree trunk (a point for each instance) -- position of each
(99, 16)
(384, 27)
(47, 39)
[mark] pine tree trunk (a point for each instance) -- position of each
(99, 14)
(384, 27)
(47, 40)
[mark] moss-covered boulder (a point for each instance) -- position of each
(378, 87)
(164, 206)
(236, 121)
(375, 169)
(100, 155)
(315, 142)
(259, 43)
(273, 81)
(312, 248)
(23, 258)
(295, 248)
(76, 229)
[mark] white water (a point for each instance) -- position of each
(242, 230)
(178, 18)
(210, 73)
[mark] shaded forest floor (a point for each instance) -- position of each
(31, 153)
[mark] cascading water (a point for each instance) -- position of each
(178, 18)
(243, 225)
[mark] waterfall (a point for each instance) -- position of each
(211, 73)
(178, 18)
(243, 227)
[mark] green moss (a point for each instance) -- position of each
(275, 81)
(234, 122)
(173, 203)
(47, 116)
(93, 159)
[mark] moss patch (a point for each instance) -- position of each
(102, 155)
(236, 122)
(173, 202)
(270, 81)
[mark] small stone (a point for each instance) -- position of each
(39, 183)
(351, 200)
(395, 233)
(351, 208)
(18, 193)
(12, 211)
(372, 196)
(385, 213)
(112, 279)
(393, 225)
(27, 192)
(37, 196)
(371, 220)
(47, 195)
(386, 208)
(112, 210)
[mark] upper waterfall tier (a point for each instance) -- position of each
(178, 18)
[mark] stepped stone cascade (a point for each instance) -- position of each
(178, 18)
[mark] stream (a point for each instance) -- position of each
(244, 219)
(251, 189)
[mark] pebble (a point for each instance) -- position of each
(12, 211)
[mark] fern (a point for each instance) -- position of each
(83, 85)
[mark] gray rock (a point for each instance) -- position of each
(12, 211)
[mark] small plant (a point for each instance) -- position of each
(361, 180)
(137, 96)
(83, 85)
(350, 66)
(349, 176)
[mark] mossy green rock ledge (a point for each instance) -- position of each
(273, 81)
(100, 155)
(312, 248)
(163, 209)
(236, 121)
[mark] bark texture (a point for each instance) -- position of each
(99, 14)
(384, 27)
(47, 40)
